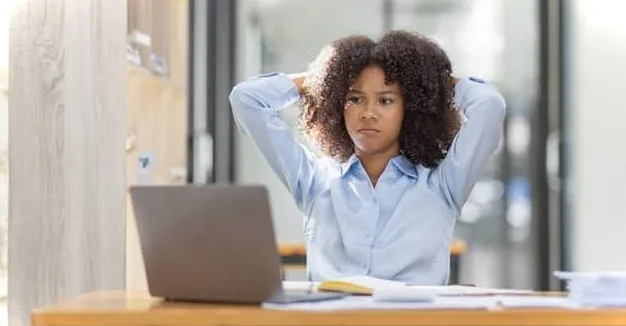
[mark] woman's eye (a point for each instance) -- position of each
(353, 100)
(386, 101)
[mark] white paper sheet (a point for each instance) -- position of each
(451, 290)
(299, 286)
(527, 301)
(456, 290)
(404, 294)
(368, 303)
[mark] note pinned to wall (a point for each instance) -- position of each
(146, 162)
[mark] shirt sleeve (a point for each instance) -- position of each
(255, 104)
(479, 137)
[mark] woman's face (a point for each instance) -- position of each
(373, 113)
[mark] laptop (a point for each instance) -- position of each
(211, 243)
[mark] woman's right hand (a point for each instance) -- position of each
(298, 80)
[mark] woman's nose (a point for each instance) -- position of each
(370, 110)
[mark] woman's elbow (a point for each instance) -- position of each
(238, 96)
(499, 103)
(494, 105)
(241, 100)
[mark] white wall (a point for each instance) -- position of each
(597, 65)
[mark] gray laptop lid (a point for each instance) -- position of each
(208, 243)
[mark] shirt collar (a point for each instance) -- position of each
(405, 165)
(347, 165)
(401, 162)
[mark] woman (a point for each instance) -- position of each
(405, 143)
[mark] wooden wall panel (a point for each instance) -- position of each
(165, 22)
(67, 222)
(156, 111)
(156, 115)
(140, 15)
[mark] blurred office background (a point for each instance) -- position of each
(550, 199)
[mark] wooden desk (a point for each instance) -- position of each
(293, 256)
(138, 309)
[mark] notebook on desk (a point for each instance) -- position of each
(358, 285)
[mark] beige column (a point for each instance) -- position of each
(156, 108)
(67, 220)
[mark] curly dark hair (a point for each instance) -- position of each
(422, 70)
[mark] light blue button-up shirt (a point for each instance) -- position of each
(401, 229)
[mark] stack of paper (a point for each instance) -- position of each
(606, 289)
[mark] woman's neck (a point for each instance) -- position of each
(375, 164)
